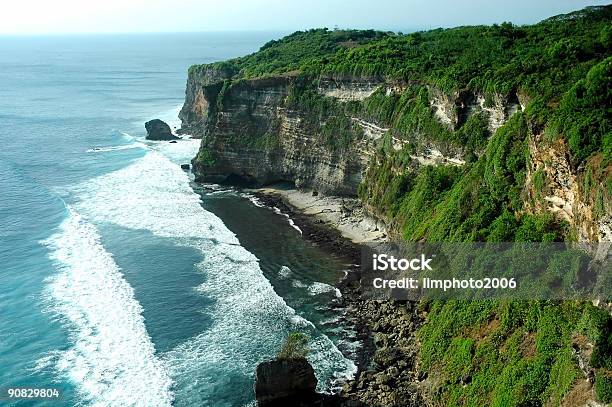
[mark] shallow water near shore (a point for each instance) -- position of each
(123, 281)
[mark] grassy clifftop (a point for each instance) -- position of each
(553, 62)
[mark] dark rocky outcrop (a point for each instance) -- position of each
(284, 382)
(159, 130)
(186, 167)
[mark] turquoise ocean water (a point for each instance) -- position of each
(119, 284)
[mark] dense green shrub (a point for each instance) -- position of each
(206, 158)
(603, 387)
(294, 347)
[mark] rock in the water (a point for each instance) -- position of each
(159, 130)
(186, 166)
(172, 141)
(284, 379)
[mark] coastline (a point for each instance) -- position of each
(387, 368)
(346, 215)
(322, 234)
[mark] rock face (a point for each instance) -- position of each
(552, 185)
(252, 135)
(159, 130)
(281, 380)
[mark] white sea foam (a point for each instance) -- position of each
(257, 202)
(180, 152)
(298, 284)
(320, 288)
(293, 225)
(112, 359)
(325, 355)
(154, 194)
(127, 136)
(171, 116)
(289, 220)
(115, 148)
(284, 272)
(254, 200)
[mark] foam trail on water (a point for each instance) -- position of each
(171, 116)
(289, 220)
(320, 288)
(112, 360)
(284, 272)
(257, 202)
(153, 194)
(180, 152)
(114, 148)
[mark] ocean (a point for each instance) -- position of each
(122, 282)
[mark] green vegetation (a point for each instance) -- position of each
(297, 50)
(559, 63)
(324, 115)
(515, 353)
(294, 347)
(584, 114)
(206, 158)
(603, 387)
(475, 203)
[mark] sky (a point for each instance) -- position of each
(133, 16)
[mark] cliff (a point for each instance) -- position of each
(252, 135)
(255, 134)
(498, 133)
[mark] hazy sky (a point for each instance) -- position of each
(112, 16)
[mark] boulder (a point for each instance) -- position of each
(159, 130)
(283, 381)
(185, 167)
(385, 357)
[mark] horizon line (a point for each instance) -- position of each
(404, 30)
(280, 30)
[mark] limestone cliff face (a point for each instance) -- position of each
(203, 84)
(577, 196)
(250, 134)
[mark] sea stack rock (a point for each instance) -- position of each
(159, 130)
(284, 382)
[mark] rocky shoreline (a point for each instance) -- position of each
(387, 372)
(345, 215)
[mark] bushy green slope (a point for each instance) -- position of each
(544, 61)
